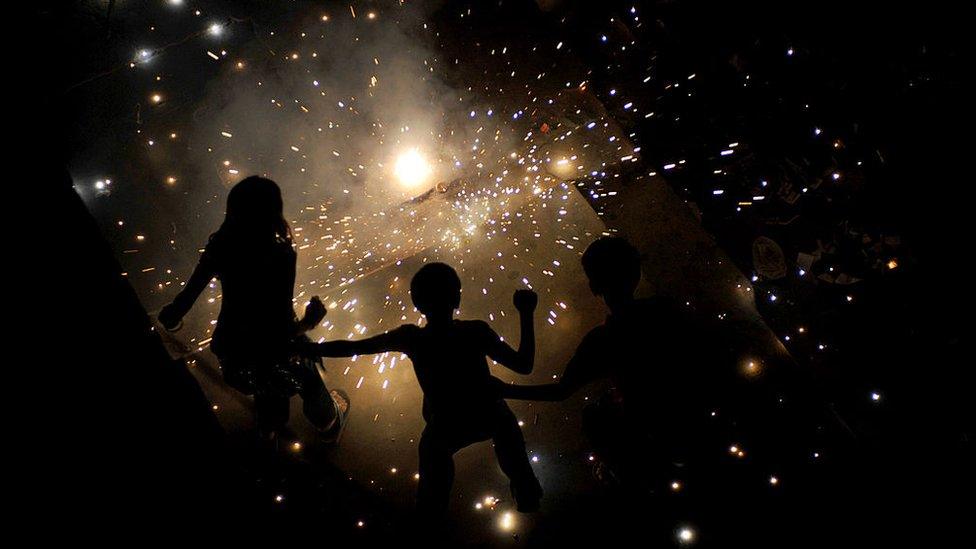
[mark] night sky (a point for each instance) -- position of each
(775, 167)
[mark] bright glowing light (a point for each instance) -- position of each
(216, 29)
(563, 167)
(686, 535)
(411, 168)
(507, 521)
(751, 368)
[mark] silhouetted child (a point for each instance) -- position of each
(461, 405)
(657, 394)
(253, 257)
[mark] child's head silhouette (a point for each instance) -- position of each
(613, 267)
(254, 207)
(436, 289)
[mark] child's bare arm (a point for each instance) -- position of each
(171, 316)
(523, 359)
(548, 392)
(393, 340)
(582, 369)
(560, 390)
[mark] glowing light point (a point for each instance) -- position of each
(507, 522)
(686, 535)
(411, 168)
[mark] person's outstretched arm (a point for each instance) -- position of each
(171, 315)
(394, 340)
(522, 360)
(581, 370)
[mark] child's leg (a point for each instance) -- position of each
(436, 472)
(317, 403)
(513, 459)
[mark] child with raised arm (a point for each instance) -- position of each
(253, 257)
(652, 353)
(461, 404)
